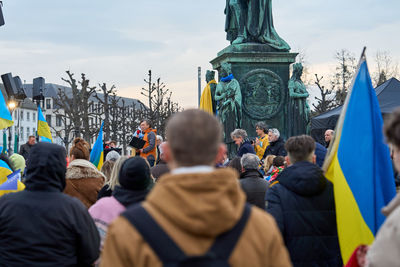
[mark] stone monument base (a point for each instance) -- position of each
(263, 75)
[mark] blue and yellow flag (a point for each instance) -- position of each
(206, 99)
(5, 171)
(43, 129)
(5, 116)
(97, 153)
(359, 166)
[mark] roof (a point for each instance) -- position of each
(388, 95)
(51, 90)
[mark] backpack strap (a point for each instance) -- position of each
(164, 247)
(226, 242)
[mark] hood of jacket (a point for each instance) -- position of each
(206, 204)
(46, 168)
(251, 174)
(80, 169)
(303, 178)
(128, 197)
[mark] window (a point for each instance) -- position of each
(28, 116)
(58, 120)
(91, 121)
(27, 132)
(34, 116)
(48, 103)
(21, 115)
(48, 119)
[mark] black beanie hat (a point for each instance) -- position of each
(135, 174)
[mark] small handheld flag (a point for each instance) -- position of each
(97, 153)
(5, 115)
(9, 181)
(43, 129)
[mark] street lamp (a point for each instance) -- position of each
(12, 105)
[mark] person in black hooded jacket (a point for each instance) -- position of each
(41, 226)
(302, 202)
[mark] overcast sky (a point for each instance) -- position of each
(118, 41)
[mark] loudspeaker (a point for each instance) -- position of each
(21, 95)
(9, 84)
(38, 88)
(1, 15)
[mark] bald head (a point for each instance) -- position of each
(329, 135)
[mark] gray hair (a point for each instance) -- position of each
(275, 132)
(159, 137)
(250, 161)
(239, 133)
(261, 125)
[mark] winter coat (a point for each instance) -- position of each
(41, 226)
(245, 147)
(160, 169)
(385, 249)
(149, 149)
(83, 181)
(276, 148)
(260, 149)
(303, 205)
(24, 150)
(254, 185)
(320, 153)
(194, 208)
(106, 209)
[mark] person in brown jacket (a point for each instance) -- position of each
(83, 179)
(195, 204)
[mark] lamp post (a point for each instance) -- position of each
(12, 105)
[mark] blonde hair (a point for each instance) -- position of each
(113, 181)
(107, 168)
(268, 162)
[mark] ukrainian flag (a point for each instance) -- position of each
(5, 171)
(43, 129)
(359, 166)
(206, 99)
(97, 153)
(5, 116)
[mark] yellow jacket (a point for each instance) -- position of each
(260, 149)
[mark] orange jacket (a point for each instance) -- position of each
(153, 151)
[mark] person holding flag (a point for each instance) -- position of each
(359, 166)
(43, 129)
(97, 153)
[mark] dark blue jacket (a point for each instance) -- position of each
(245, 147)
(42, 226)
(320, 153)
(303, 205)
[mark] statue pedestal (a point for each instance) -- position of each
(263, 75)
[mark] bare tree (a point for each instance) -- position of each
(324, 103)
(160, 104)
(344, 73)
(77, 107)
(385, 67)
(107, 93)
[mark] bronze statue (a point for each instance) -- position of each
(229, 102)
(251, 21)
(298, 109)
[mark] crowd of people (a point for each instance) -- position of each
(181, 202)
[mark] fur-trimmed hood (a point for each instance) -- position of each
(80, 169)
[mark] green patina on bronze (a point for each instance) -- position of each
(229, 108)
(298, 109)
(251, 21)
(259, 60)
